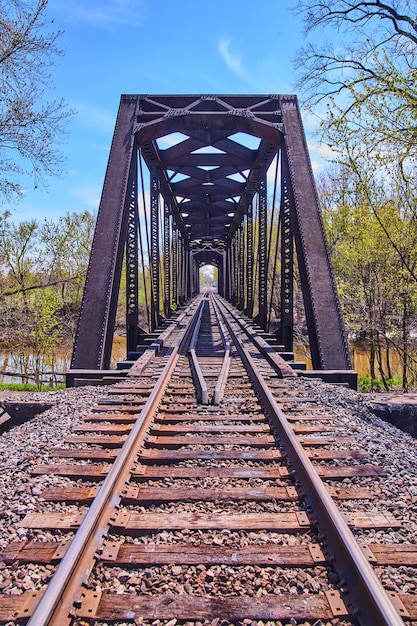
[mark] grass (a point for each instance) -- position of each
(366, 384)
(29, 387)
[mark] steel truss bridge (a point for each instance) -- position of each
(221, 180)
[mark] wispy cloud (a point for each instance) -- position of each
(320, 155)
(89, 195)
(232, 60)
(104, 14)
(321, 150)
(316, 166)
(95, 116)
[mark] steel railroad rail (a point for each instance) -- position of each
(372, 603)
(202, 385)
(207, 486)
(57, 602)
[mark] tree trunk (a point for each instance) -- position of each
(405, 343)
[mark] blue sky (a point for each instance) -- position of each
(114, 47)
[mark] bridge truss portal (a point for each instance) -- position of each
(208, 161)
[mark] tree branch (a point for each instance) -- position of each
(52, 283)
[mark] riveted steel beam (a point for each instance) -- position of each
(154, 258)
(132, 262)
(262, 252)
(286, 332)
(328, 343)
(94, 336)
(167, 260)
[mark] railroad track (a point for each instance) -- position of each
(211, 487)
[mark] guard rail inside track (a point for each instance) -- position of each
(206, 439)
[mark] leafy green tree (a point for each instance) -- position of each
(66, 245)
(373, 241)
(45, 332)
(30, 125)
(18, 254)
(42, 272)
(34, 256)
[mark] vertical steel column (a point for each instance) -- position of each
(132, 261)
(154, 182)
(244, 248)
(167, 259)
(287, 261)
(233, 271)
(224, 266)
(196, 273)
(328, 340)
(221, 275)
(94, 337)
(229, 271)
(179, 268)
(249, 260)
(241, 268)
(262, 252)
(181, 276)
(236, 267)
(175, 275)
(183, 272)
(227, 278)
(191, 272)
(187, 277)
(196, 277)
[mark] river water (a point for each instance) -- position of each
(359, 354)
(16, 363)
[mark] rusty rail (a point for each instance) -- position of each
(373, 604)
(201, 384)
(222, 379)
(371, 600)
(202, 390)
(56, 604)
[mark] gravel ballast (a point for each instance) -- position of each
(30, 444)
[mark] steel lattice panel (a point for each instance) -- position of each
(208, 157)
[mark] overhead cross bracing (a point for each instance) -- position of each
(207, 202)
(210, 173)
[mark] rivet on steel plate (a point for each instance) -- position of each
(366, 549)
(90, 604)
(396, 600)
(337, 605)
(29, 606)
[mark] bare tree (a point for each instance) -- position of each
(392, 16)
(367, 72)
(31, 127)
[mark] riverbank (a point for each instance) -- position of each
(54, 369)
